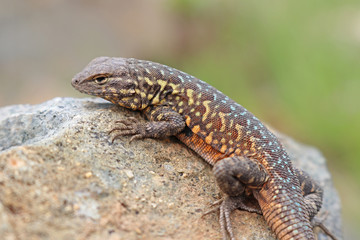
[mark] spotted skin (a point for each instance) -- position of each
(249, 161)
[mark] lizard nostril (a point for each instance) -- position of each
(75, 81)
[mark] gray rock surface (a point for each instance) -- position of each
(62, 178)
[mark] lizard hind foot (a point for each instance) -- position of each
(318, 222)
(215, 207)
(226, 206)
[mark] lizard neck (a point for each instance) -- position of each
(157, 84)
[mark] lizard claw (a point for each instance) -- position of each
(226, 206)
(131, 126)
(215, 207)
(225, 221)
(318, 222)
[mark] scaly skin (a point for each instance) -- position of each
(249, 161)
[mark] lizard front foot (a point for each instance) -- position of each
(131, 126)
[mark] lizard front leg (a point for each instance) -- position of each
(163, 122)
(234, 175)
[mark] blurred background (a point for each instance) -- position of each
(294, 64)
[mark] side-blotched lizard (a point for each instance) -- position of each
(249, 162)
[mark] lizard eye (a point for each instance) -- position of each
(100, 79)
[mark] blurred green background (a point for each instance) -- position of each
(294, 64)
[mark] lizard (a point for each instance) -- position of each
(250, 165)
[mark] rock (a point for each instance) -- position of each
(61, 177)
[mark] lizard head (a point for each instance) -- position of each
(111, 79)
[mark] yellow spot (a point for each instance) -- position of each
(208, 126)
(207, 109)
(125, 100)
(181, 103)
(231, 150)
(196, 129)
(208, 139)
(223, 123)
(155, 100)
(160, 116)
(136, 100)
(148, 81)
(133, 106)
(237, 151)
(181, 110)
(252, 140)
(213, 114)
(143, 95)
(231, 142)
(238, 129)
(215, 141)
(124, 91)
(162, 84)
(192, 110)
(223, 148)
(150, 96)
(223, 140)
(251, 180)
(231, 123)
(197, 114)
(177, 98)
(188, 120)
(189, 93)
(175, 87)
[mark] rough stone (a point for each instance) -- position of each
(61, 177)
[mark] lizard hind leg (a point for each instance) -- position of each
(235, 175)
(313, 197)
(312, 192)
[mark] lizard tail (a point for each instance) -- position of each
(285, 213)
